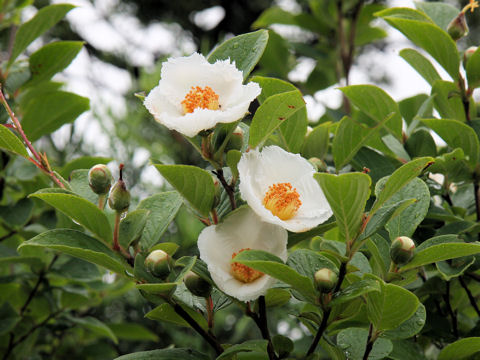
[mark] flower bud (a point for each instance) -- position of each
(119, 198)
(468, 54)
(401, 250)
(318, 164)
(458, 27)
(197, 285)
(325, 280)
(236, 139)
(100, 179)
(158, 263)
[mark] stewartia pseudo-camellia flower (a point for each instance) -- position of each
(279, 186)
(241, 230)
(194, 95)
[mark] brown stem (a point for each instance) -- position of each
(229, 189)
(370, 342)
(453, 316)
(210, 314)
(116, 245)
(209, 338)
(470, 295)
(476, 190)
(215, 216)
(261, 321)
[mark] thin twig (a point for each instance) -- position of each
(229, 189)
(260, 320)
(453, 316)
(470, 295)
(369, 346)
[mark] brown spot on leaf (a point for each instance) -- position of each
(281, 118)
(291, 107)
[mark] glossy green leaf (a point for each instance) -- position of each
(347, 195)
(421, 143)
(8, 141)
(425, 34)
(43, 20)
(456, 268)
(131, 227)
(447, 100)
(48, 112)
(77, 244)
(246, 50)
(193, 183)
(9, 317)
(163, 208)
(440, 252)
(95, 326)
(165, 354)
(473, 70)
(273, 266)
(166, 313)
(158, 288)
(460, 349)
(78, 209)
(401, 177)
(421, 65)
(409, 327)
(51, 59)
(273, 113)
(316, 143)
(275, 297)
(355, 290)
(306, 262)
(354, 340)
(78, 181)
(377, 104)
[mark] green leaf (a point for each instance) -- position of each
(77, 244)
(246, 50)
(131, 227)
(157, 289)
(17, 215)
(407, 221)
(84, 162)
(163, 208)
(274, 297)
(165, 354)
(95, 326)
(43, 20)
(50, 111)
(407, 349)
(272, 114)
(9, 317)
(441, 252)
(421, 65)
(473, 70)
(439, 12)
(8, 141)
(391, 306)
(350, 137)
(421, 143)
(425, 34)
(453, 165)
(456, 268)
(193, 183)
(276, 15)
(347, 195)
(79, 185)
(457, 135)
(401, 177)
(355, 290)
(168, 247)
(51, 59)
(132, 332)
(273, 266)
(460, 349)
(78, 209)
(316, 143)
(409, 327)
(354, 341)
(247, 346)
(306, 262)
(410, 107)
(377, 104)
(447, 100)
(166, 312)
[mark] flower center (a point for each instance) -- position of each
(242, 272)
(204, 98)
(282, 200)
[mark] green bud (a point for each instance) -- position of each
(158, 263)
(468, 54)
(100, 179)
(401, 250)
(325, 280)
(119, 198)
(236, 139)
(458, 27)
(318, 164)
(197, 285)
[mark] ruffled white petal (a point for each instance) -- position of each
(240, 230)
(259, 170)
(177, 78)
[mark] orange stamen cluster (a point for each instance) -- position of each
(242, 272)
(204, 98)
(282, 200)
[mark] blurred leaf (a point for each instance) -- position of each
(460, 349)
(51, 59)
(276, 297)
(43, 20)
(473, 70)
(406, 349)
(157, 289)
(132, 332)
(410, 107)
(421, 143)
(377, 104)
(273, 113)
(245, 50)
(48, 112)
(17, 215)
(78, 209)
(424, 33)
(8, 141)
(76, 243)
(131, 227)
(276, 15)
(277, 58)
(166, 312)
(354, 340)
(163, 208)
(347, 195)
(247, 346)
(95, 326)
(165, 354)
(9, 317)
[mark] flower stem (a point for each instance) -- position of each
(370, 342)
(229, 189)
(101, 201)
(209, 306)
(116, 245)
(261, 321)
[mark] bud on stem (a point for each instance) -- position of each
(401, 250)
(119, 199)
(325, 280)
(158, 263)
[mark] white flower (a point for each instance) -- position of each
(279, 186)
(241, 230)
(194, 95)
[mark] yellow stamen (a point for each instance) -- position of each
(472, 6)
(204, 98)
(242, 272)
(282, 200)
